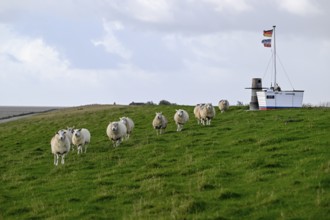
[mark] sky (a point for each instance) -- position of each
(71, 53)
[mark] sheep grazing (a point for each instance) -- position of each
(180, 117)
(207, 113)
(129, 125)
(159, 123)
(116, 132)
(223, 105)
(60, 146)
(81, 137)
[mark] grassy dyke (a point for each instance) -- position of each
(246, 165)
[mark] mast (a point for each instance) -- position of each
(275, 85)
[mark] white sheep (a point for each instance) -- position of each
(116, 132)
(180, 117)
(128, 122)
(223, 105)
(60, 146)
(207, 113)
(80, 138)
(159, 123)
(69, 132)
(197, 114)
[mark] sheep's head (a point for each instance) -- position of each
(77, 132)
(179, 112)
(123, 120)
(159, 115)
(61, 135)
(209, 106)
(70, 129)
(114, 126)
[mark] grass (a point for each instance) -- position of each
(246, 165)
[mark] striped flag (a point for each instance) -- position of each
(268, 33)
(267, 42)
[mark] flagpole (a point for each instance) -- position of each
(274, 57)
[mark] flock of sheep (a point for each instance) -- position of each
(118, 131)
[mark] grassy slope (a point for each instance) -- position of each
(252, 165)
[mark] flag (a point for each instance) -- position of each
(268, 33)
(267, 42)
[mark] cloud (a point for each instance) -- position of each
(110, 42)
(299, 7)
(32, 56)
(237, 5)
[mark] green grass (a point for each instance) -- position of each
(246, 165)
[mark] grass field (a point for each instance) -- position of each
(246, 165)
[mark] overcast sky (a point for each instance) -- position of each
(70, 52)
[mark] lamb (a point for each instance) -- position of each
(207, 113)
(116, 132)
(159, 123)
(223, 105)
(180, 117)
(81, 137)
(60, 146)
(128, 122)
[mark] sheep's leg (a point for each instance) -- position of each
(62, 161)
(79, 149)
(55, 159)
(85, 148)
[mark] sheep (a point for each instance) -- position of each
(159, 123)
(69, 132)
(197, 114)
(60, 146)
(223, 105)
(116, 132)
(128, 122)
(180, 117)
(80, 138)
(207, 113)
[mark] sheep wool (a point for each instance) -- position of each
(116, 132)
(80, 138)
(159, 123)
(181, 117)
(60, 146)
